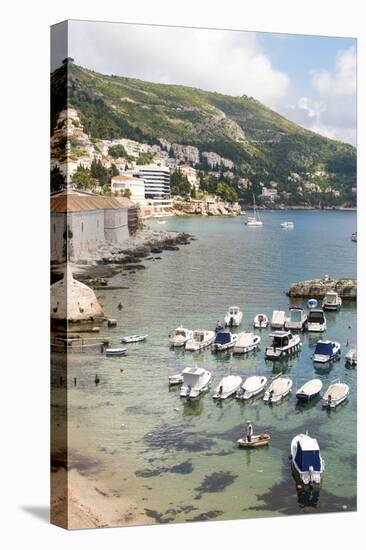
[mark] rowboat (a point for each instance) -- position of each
(227, 386)
(115, 351)
(134, 338)
(256, 441)
(252, 386)
(309, 390)
(278, 389)
(336, 393)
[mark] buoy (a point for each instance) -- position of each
(298, 487)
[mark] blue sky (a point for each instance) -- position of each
(309, 79)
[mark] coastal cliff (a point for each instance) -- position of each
(204, 208)
(317, 288)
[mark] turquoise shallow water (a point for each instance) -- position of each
(179, 460)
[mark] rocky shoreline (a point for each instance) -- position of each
(203, 208)
(317, 288)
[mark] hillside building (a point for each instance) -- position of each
(135, 185)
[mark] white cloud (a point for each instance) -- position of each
(230, 62)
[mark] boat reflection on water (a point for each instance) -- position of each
(194, 407)
(308, 496)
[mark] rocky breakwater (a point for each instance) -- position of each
(204, 208)
(317, 288)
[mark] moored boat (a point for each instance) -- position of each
(200, 339)
(254, 221)
(246, 341)
(195, 381)
(335, 394)
(260, 321)
(278, 319)
(134, 338)
(224, 340)
(228, 385)
(312, 303)
(283, 344)
(252, 386)
(277, 390)
(233, 317)
(175, 379)
(326, 351)
(115, 351)
(255, 441)
(180, 337)
(332, 301)
(287, 225)
(351, 357)
(309, 390)
(316, 321)
(306, 459)
(296, 319)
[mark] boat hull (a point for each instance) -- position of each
(281, 353)
(256, 441)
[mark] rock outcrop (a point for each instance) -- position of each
(203, 208)
(317, 288)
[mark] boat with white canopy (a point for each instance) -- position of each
(200, 339)
(309, 390)
(278, 389)
(351, 357)
(283, 344)
(296, 319)
(278, 319)
(180, 337)
(316, 321)
(228, 385)
(287, 225)
(335, 394)
(252, 386)
(246, 341)
(306, 459)
(195, 381)
(332, 301)
(224, 340)
(233, 317)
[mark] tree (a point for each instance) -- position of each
(193, 192)
(113, 171)
(117, 151)
(226, 193)
(145, 158)
(126, 193)
(82, 179)
(98, 172)
(179, 184)
(57, 180)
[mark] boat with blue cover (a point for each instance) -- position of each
(306, 459)
(224, 340)
(326, 351)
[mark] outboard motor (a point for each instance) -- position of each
(221, 389)
(311, 469)
(329, 400)
(218, 326)
(270, 396)
(189, 388)
(231, 323)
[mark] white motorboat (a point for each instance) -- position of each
(283, 344)
(316, 321)
(287, 225)
(175, 379)
(306, 459)
(254, 221)
(332, 301)
(336, 393)
(233, 317)
(309, 390)
(246, 341)
(278, 319)
(296, 319)
(260, 321)
(228, 386)
(351, 357)
(180, 337)
(134, 338)
(115, 351)
(195, 381)
(161, 221)
(277, 390)
(224, 340)
(200, 339)
(326, 350)
(252, 386)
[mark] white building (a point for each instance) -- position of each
(190, 173)
(135, 185)
(157, 181)
(269, 195)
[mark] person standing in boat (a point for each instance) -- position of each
(249, 431)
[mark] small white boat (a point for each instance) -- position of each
(175, 379)
(115, 351)
(255, 441)
(252, 386)
(316, 321)
(246, 341)
(277, 390)
(336, 393)
(233, 317)
(309, 390)
(312, 303)
(351, 357)
(306, 459)
(287, 225)
(180, 337)
(161, 221)
(278, 319)
(228, 386)
(134, 338)
(283, 344)
(200, 339)
(195, 381)
(260, 321)
(296, 319)
(332, 301)
(326, 351)
(224, 340)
